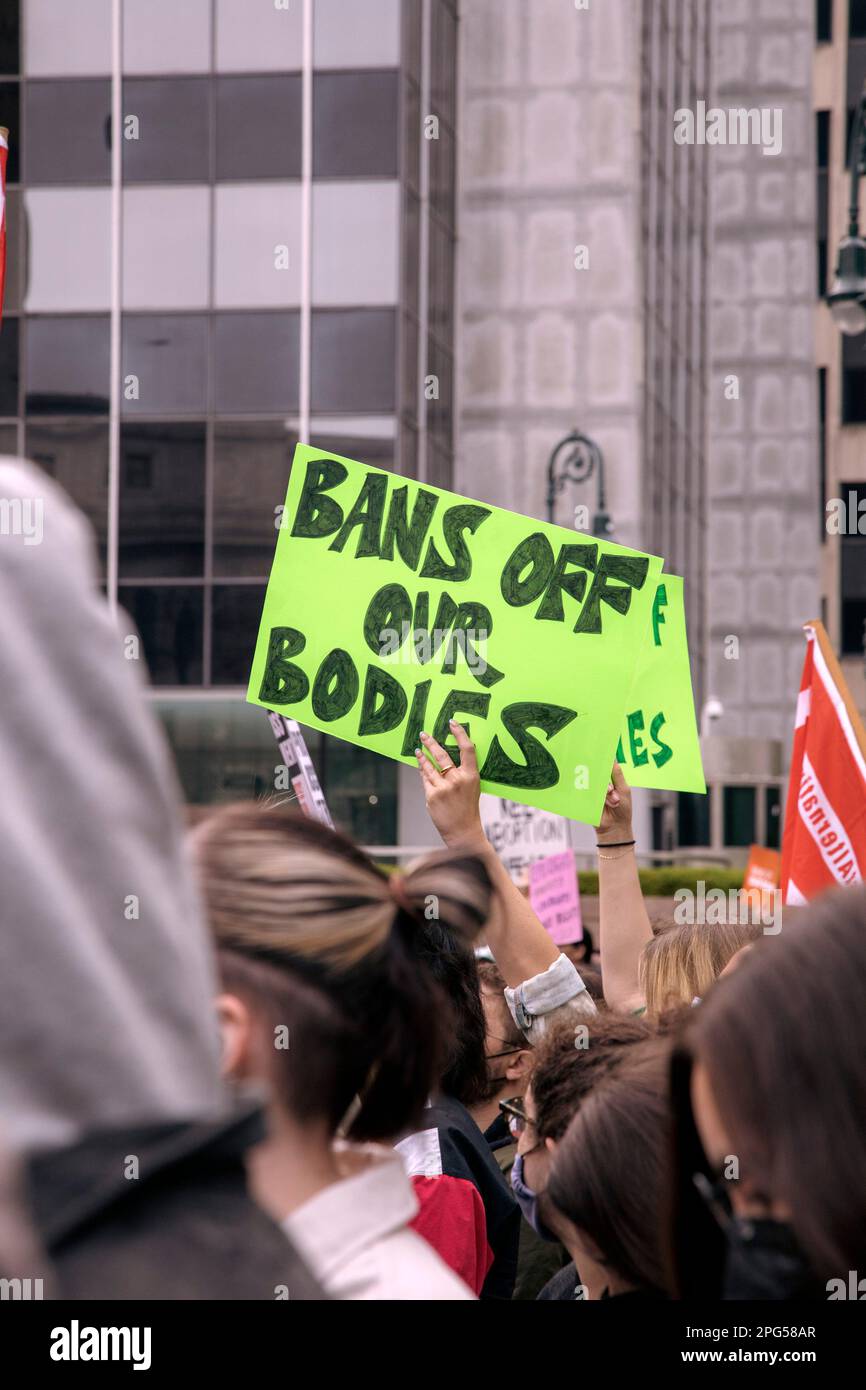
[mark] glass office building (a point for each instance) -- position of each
(265, 255)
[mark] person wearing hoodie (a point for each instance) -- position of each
(110, 1089)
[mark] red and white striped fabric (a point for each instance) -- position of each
(4, 155)
(825, 818)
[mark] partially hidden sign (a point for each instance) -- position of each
(521, 834)
(394, 607)
(659, 744)
(555, 897)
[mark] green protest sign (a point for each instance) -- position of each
(659, 745)
(394, 607)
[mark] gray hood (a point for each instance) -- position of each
(106, 978)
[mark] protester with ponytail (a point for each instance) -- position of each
(326, 1002)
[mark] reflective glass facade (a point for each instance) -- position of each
(286, 237)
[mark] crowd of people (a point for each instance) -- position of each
(247, 1062)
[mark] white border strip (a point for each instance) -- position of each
(116, 291)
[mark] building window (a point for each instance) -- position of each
(856, 64)
(164, 367)
(10, 36)
(138, 471)
(258, 127)
(852, 572)
(822, 447)
(256, 362)
(693, 820)
(161, 524)
(9, 368)
(738, 810)
(854, 379)
(67, 131)
(341, 40)
(355, 125)
(822, 161)
(162, 36)
(67, 365)
(251, 463)
(170, 621)
(857, 19)
(824, 21)
(172, 139)
(10, 106)
(75, 454)
(354, 361)
(237, 609)
(773, 810)
(211, 300)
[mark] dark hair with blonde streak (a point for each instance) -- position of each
(309, 928)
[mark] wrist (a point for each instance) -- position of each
(615, 837)
(471, 839)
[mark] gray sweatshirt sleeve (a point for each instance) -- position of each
(556, 995)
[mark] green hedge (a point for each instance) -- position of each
(663, 883)
(656, 883)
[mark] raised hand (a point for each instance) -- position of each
(452, 793)
(615, 823)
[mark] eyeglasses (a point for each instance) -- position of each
(515, 1115)
(509, 1051)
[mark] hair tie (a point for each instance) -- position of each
(397, 889)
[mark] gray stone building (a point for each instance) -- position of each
(696, 284)
(764, 506)
(839, 75)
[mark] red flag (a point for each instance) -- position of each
(4, 154)
(825, 818)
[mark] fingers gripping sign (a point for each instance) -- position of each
(452, 792)
(616, 819)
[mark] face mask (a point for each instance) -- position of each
(527, 1200)
(764, 1262)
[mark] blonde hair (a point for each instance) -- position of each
(681, 962)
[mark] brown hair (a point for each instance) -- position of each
(783, 1041)
(565, 1071)
(681, 962)
(493, 982)
(608, 1172)
(308, 926)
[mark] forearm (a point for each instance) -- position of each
(520, 944)
(624, 926)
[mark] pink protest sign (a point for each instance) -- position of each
(555, 897)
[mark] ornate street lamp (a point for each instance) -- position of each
(847, 297)
(576, 459)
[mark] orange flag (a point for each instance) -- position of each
(825, 819)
